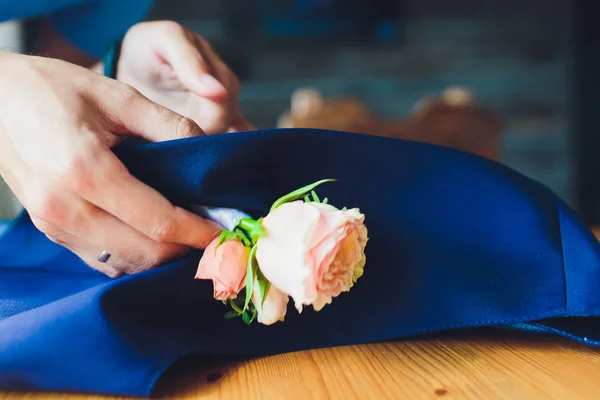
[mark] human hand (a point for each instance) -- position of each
(180, 70)
(58, 122)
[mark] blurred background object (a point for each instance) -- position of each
(584, 134)
(11, 39)
(453, 119)
(11, 36)
(357, 20)
(514, 56)
(385, 66)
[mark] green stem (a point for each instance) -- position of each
(253, 228)
(249, 224)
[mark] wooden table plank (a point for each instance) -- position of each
(510, 367)
(485, 366)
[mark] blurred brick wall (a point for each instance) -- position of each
(515, 55)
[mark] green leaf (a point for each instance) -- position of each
(344, 209)
(246, 318)
(250, 274)
(325, 200)
(265, 293)
(263, 286)
(231, 314)
(254, 314)
(243, 237)
(225, 236)
(237, 308)
(315, 197)
(298, 193)
(252, 229)
(306, 199)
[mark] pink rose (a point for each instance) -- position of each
(226, 266)
(274, 307)
(312, 251)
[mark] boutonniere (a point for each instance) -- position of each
(304, 248)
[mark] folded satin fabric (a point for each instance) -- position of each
(456, 241)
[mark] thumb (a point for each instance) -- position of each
(194, 62)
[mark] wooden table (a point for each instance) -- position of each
(480, 364)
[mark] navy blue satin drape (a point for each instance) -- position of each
(456, 241)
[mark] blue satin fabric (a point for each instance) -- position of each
(456, 241)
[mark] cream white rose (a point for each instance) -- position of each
(312, 251)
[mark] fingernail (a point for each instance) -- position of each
(216, 227)
(210, 82)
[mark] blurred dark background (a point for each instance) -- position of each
(527, 70)
(516, 56)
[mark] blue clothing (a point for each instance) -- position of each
(456, 241)
(90, 25)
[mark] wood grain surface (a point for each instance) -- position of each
(479, 366)
(493, 367)
(482, 364)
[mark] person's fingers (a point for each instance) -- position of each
(60, 211)
(194, 66)
(130, 251)
(92, 262)
(89, 231)
(201, 72)
(237, 122)
(139, 215)
(240, 123)
(146, 210)
(78, 246)
(219, 69)
(131, 113)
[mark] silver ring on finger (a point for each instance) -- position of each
(104, 256)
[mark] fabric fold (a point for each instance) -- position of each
(456, 241)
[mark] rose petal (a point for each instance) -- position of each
(281, 254)
(273, 309)
(225, 266)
